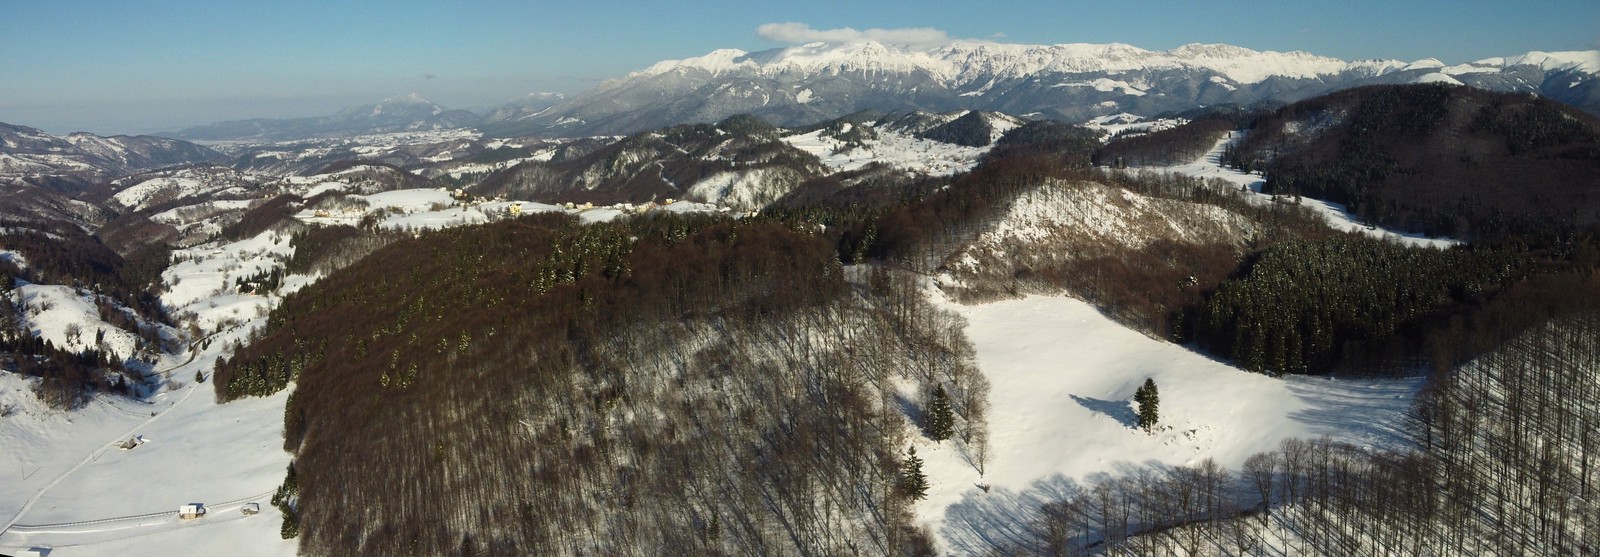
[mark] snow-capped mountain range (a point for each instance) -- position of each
(804, 84)
(1071, 82)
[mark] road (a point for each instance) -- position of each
(130, 521)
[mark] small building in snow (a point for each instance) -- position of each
(191, 510)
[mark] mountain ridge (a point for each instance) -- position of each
(1070, 82)
(821, 80)
(409, 112)
(31, 157)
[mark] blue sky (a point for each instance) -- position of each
(126, 67)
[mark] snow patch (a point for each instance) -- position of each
(1436, 77)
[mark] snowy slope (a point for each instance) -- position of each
(147, 190)
(70, 320)
(892, 148)
(76, 492)
(745, 190)
(1587, 61)
(1124, 123)
(200, 282)
(1084, 219)
(803, 84)
(81, 160)
(1062, 378)
(970, 61)
(1210, 166)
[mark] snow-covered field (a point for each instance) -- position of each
(69, 487)
(201, 281)
(1062, 381)
(1123, 122)
(892, 148)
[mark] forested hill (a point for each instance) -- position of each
(1439, 159)
(694, 385)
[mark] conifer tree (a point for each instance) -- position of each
(287, 499)
(941, 417)
(1149, 402)
(913, 483)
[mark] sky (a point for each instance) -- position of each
(161, 65)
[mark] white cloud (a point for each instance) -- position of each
(800, 33)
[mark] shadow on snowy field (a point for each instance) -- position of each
(1001, 521)
(1006, 522)
(1365, 412)
(1118, 410)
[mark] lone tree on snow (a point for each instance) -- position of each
(1148, 401)
(913, 483)
(941, 421)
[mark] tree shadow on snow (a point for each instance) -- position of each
(1118, 410)
(1002, 521)
(1006, 522)
(912, 411)
(1366, 412)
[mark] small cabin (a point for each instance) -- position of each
(250, 508)
(191, 510)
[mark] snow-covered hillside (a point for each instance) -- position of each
(805, 83)
(1124, 123)
(890, 147)
(31, 157)
(70, 319)
(967, 62)
(1210, 166)
(75, 491)
(1062, 377)
(1089, 219)
(746, 190)
(148, 190)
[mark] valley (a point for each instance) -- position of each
(868, 296)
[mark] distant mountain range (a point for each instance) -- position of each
(810, 83)
(803, 84)
(1072, 82)
(30, 157)
(407, 113)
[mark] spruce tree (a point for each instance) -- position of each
(1139, 397)
(287, 500)
(912, 481)
(1149, 403)
(941, 419)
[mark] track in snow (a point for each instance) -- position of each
(97, 453)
